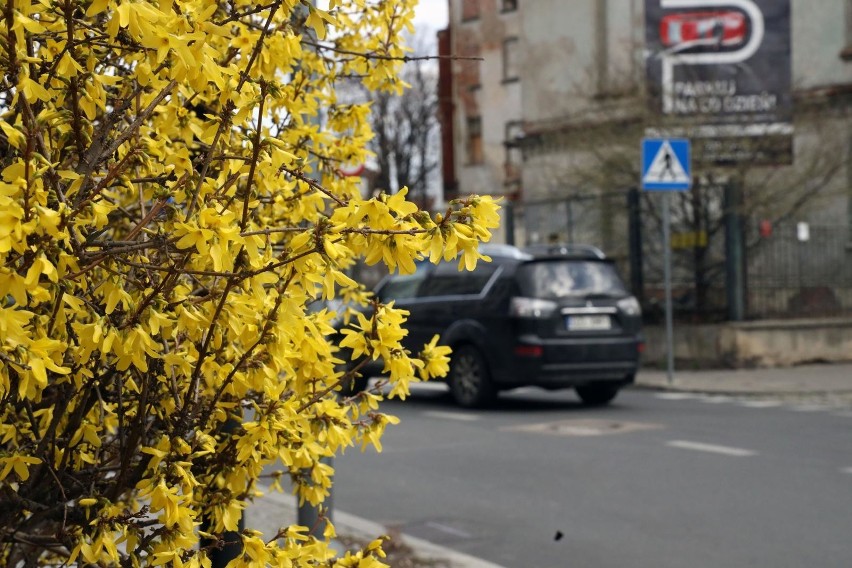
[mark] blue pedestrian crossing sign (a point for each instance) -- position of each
(666, 164)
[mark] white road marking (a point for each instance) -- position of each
(676, 396)
(449, 530)
(760, 403)
(716, 399)
(846, 470)
(712, 448)
(582, 427)
(451, 415)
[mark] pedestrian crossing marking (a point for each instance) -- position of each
(808, 407)
(676, 396)
(746, 402)
(717, 399)
(760, 403)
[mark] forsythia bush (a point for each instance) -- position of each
(170, 208)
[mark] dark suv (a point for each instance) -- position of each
(551, 316)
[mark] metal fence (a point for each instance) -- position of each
(595, 219)
(799, 271)
(788, 274)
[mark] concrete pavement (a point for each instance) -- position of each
(275, 510)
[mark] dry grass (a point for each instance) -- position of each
(399, 554)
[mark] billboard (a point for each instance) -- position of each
(719, 73)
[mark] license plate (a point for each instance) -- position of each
(587, 323)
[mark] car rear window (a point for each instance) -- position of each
(554, 279)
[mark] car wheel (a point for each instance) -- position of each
(597, 395)
(469, 379)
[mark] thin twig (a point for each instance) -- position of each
(378, 56)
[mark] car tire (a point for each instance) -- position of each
(597, 394)
(469, 379)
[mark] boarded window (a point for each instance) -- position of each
(514, 132)
(510, 59)
(846, 52)
(470, 9)
(474, 140)
(469, 76)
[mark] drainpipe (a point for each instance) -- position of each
(601, 47)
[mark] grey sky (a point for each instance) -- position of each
(432, 13)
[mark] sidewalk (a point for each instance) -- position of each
(275, 510)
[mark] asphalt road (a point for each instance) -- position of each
(655, 480)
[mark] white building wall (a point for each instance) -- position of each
(558, 46)
(819, 34)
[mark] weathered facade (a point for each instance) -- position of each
(556, 105)
(484, 109)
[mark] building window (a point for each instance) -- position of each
(509, 5)
(514, 133)
(510, 59)
(474, 140)
(470, 10)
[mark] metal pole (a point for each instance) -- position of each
(509, 222)
(308, 515)
(667, 270)
(735, 254)
(233, 541)
(637, 282)
(570, 211)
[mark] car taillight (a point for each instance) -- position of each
(529, 350)
(531, 307)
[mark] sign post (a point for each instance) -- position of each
(667, 167)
